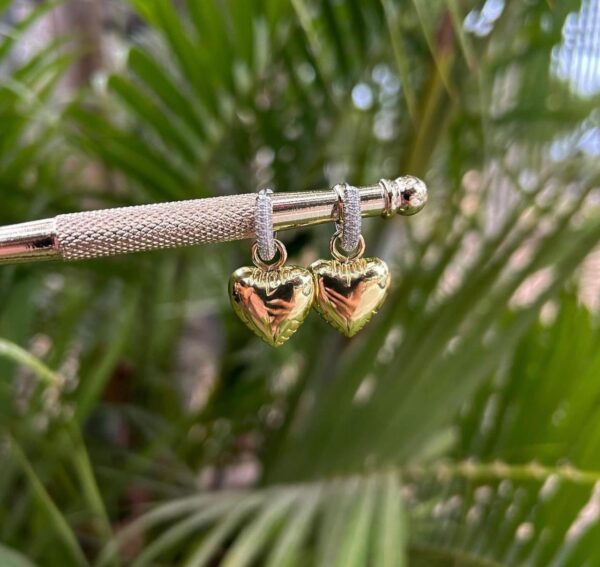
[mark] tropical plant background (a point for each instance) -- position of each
(141, 424)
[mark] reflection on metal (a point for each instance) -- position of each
(274, 303)
(28, 242)
(349, 293)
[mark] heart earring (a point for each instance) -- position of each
(349, 289)
(271, 299)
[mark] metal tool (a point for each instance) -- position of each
(108, 232)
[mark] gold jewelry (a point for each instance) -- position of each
(271, 299)
(349, 289)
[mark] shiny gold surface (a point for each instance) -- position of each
(273, 304)
(349, 293)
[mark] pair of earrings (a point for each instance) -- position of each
(273, 299)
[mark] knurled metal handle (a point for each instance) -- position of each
(108, 232)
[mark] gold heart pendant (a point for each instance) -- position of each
(273, 304)
(349, 293)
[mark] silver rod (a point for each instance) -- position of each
(108, 232)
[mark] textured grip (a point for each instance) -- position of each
(109, 232)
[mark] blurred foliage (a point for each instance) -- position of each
(141, 424)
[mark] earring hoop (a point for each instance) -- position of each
(349, 225)
(263, 219)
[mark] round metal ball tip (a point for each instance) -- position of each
(412, 195)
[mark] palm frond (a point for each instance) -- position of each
(282, 526)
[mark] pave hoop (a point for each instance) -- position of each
(263, 218)
(349, 224)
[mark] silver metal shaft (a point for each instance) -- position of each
(108, 232)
